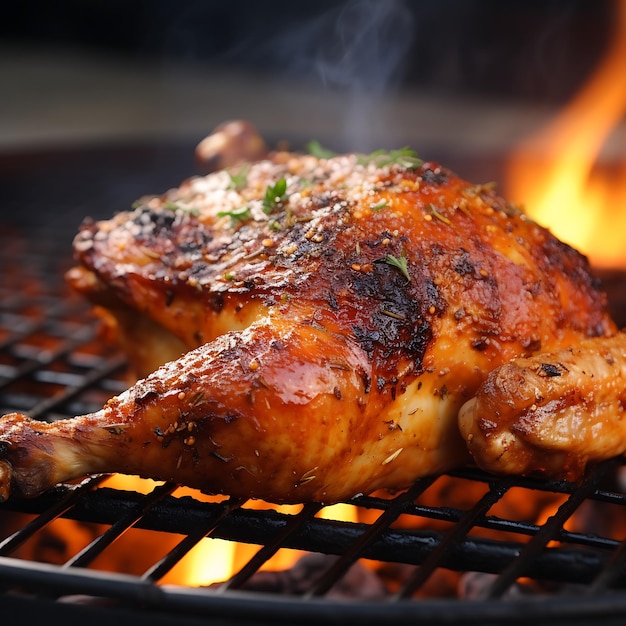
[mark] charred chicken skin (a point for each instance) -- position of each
(322, 321)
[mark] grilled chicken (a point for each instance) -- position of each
(333, 315)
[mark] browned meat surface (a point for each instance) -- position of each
(335, 315)
(551, 413)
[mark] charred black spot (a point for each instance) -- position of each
(367, 381)
(459, 314)
(418, 344)
(463, 265)
(154, 220)
(399, 323)
(433, 298)
(550, 370)
(229, 418)
(169, 297)
(435, 176)
(146, 398)
(375, 243)
(216, 302)
(5, 447)
(191, 247)
(480, 344)
(367, 337)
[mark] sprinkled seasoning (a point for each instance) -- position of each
(396, 316)
(308, 476)
(392, 456)
(435, 212)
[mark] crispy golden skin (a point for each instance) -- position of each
(334, 327)
(551, 413)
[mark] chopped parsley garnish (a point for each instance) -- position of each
(239, 179)
(379, 206)
(399, 262)
(236, 215)
(404, 157)
(317, 150)
(434, 210)
(173, 206)
(274, 195)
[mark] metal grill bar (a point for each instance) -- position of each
(438, 555)
(96, 547)
(14, 541)
(106, 506)
(272, 546)
(97, 374)
(159, 569)
(534, 548)
(351, 555)
(613, 573)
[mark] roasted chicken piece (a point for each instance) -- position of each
(551, 413)
(333, 315)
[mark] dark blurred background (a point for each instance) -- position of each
(288, 63)
(534, 50)
(121, 90)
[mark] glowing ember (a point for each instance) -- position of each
(555, 173)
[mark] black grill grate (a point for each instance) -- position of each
(566, 567)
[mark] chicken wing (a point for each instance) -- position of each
(551, 413)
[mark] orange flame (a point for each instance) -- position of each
(212, 560)
(555, 172)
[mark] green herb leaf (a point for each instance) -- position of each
(236, 215)
(440, 216)
(173, 206)
(400, 262)
(239, 179)
(379, 206)
(274, 195)
(317, 150)
(404, 157)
